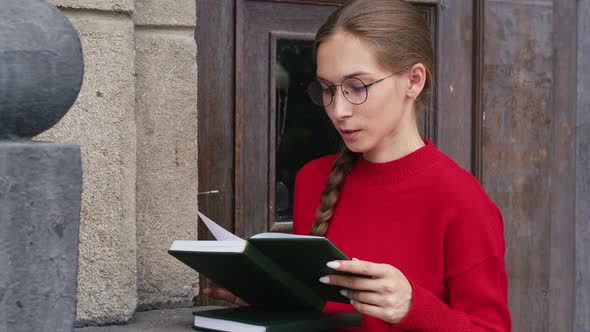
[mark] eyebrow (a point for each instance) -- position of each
(358, 73)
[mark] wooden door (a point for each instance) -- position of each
(273, 45)
(502, 107)
(246, 49)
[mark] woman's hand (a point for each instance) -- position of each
(385, 293)
(220, 293)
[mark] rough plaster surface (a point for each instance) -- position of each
(166, 166)
(166, 13)
(102, 122)
(117, 6)
(40, 188)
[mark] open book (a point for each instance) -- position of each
(268, 269)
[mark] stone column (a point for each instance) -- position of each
(102, 122)
(166, 112)
(41, 71)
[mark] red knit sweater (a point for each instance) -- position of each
(426, 216)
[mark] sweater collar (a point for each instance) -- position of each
(395, 170)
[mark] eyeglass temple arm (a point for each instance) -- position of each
(379, 81)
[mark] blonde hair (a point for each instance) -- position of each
(401, 39)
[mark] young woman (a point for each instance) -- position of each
(421, 228)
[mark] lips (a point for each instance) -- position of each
(349, 134)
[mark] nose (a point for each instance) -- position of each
(340, 108)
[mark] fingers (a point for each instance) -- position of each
(372, 298)
(211, 283)
(385, 293)
(362, 267)
(355, 283)
(223, 294)
(241, 302)
(389, 309)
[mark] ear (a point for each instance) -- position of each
(417, 79)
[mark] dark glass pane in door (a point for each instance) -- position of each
(303, 130)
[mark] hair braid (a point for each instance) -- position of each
(340, 169)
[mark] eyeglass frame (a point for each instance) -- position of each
(334, 86)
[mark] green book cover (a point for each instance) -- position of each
(243, 270)
(256, 319)
(305, 258)
(269, 269)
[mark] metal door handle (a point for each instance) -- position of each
(208, 192)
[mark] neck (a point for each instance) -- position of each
(404, 141)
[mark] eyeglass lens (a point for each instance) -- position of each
(322, 94)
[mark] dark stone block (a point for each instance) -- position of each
(41, 67)
(40, 192)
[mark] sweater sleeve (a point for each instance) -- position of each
(477, 302)
(475, 273)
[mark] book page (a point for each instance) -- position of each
(218, 232)
(208, 246)
(282, 236)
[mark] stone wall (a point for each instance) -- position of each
(136, 122)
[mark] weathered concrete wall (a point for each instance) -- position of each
(167, 148)
(135, 120)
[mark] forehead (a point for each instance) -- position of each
(343, 54)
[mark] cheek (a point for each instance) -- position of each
(381, 125)
(383, 113)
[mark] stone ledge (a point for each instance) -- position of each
(116, 6)
(153, 321)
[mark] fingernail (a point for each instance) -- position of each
(325, 279)
(344, 292)
(351, 302)
(355, 259)
(333, 264)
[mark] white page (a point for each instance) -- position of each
(208, 246)
(218, 232)
(226, 325)
(281, 236)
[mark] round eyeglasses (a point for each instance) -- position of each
(353, 89)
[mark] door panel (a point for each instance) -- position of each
(528, 153)
(262, 23)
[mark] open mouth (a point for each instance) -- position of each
(349, 134)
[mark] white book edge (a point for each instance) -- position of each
(208, 246)
(283, 236)
(226, 325)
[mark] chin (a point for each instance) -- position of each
(356, 148)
